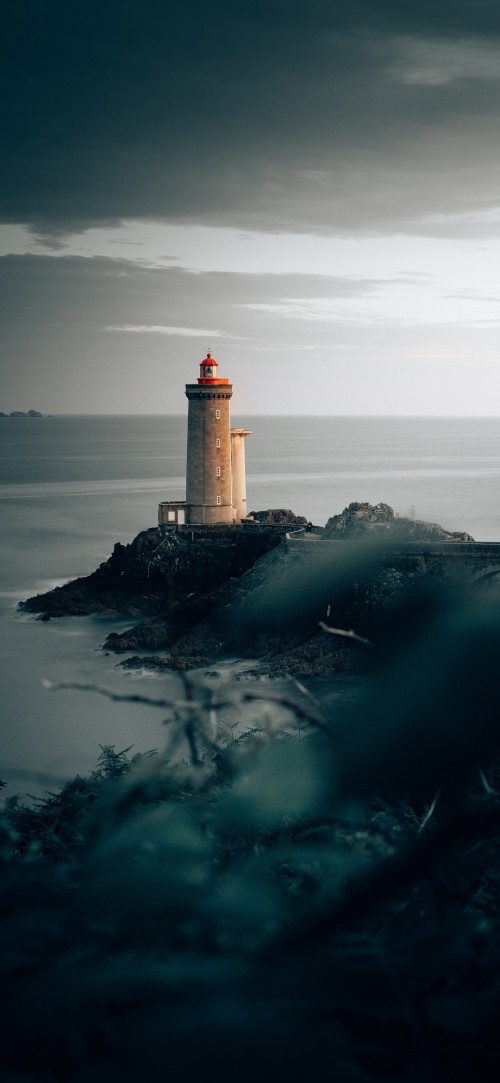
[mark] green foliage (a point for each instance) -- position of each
(112, 764)
(272, 904)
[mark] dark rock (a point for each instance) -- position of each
(158, 662)
(207, 594)
(320, 656)
(153, 661)
(365, 520)
(22, 413)
(278, 517)
(155, 573)
(148, 635)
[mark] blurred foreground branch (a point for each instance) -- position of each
(347, 634)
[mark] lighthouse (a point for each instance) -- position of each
(215, 468)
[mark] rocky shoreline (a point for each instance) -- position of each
(198, 596)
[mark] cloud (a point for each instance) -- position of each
(312, 308)
(260, 115)
(433, 63)
(474, 295)
(54, 311)
(159, 329)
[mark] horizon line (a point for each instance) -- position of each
(436, 417)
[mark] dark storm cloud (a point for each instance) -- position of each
(275, 115)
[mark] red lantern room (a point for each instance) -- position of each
(208, 371)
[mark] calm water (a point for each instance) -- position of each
(71, 487)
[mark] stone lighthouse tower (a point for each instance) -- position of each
(208, 470)
(215, 470)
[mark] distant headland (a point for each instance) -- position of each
(21, 413)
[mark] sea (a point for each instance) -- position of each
(70, 487)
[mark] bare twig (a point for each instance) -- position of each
(116, 697)
(190, 731)
(284, 701)
(430, 811)
(189, 703)
(348, 634)
(305, 691)
(489, 790)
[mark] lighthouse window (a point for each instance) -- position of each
(218, 499)
(217, 414)
(218, 471)
(217, 442)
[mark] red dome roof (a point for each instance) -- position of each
(209, 361)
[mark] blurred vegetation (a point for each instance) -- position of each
(320, 897)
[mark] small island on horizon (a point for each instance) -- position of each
(21, 413)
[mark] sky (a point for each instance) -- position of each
(308, 188)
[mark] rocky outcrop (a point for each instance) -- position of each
(159, 573)
(366, 520)
(239, 592)
(22, 413)
(278, 517)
